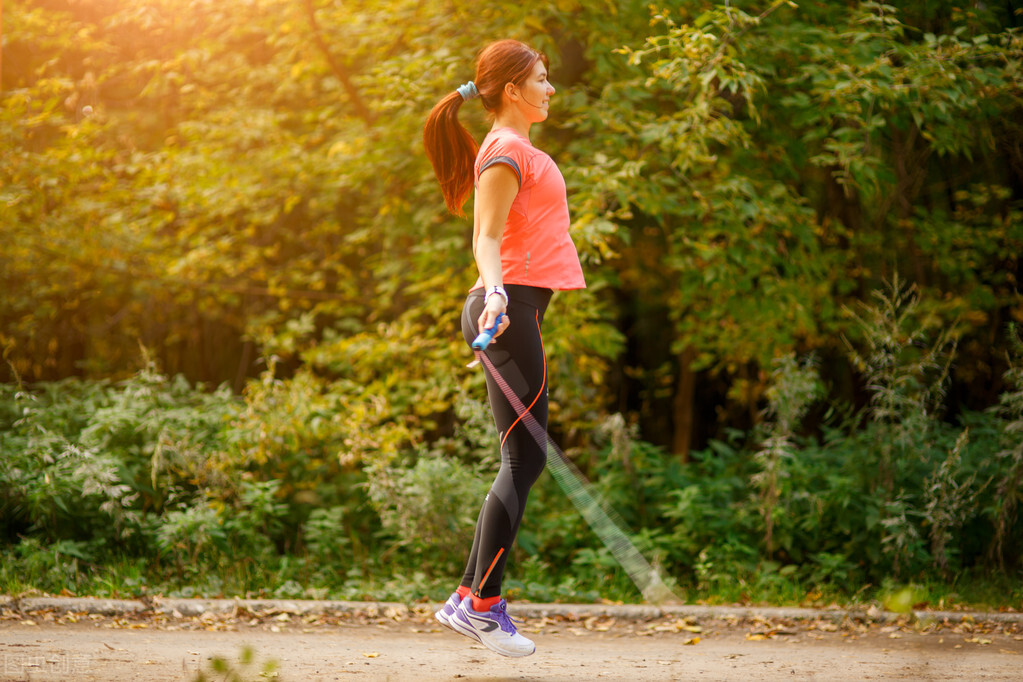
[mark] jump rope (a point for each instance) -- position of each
(606, 523)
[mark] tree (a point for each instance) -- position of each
(229, 181)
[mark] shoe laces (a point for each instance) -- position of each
(500, 614)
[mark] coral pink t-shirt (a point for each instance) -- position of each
(536, 249)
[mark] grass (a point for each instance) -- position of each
(532, 581)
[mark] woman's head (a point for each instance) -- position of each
(501, 63)
(449, 146)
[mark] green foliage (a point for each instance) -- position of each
(245, 670)
(825, 513)
(949, 502)
(85, 459)
(428, 507)
(1009, 484)
(224, 183)
(157, 469)
(239, 188)
(153, 484)
(794, 389)
(907, 374)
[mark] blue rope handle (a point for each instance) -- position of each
(487, 335)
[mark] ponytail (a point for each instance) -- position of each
(451, 150)
(449, 146)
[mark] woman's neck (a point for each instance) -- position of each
(513, 119)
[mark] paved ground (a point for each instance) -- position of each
(85, 640)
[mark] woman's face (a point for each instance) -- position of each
(534, 94)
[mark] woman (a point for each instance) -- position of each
(523, 253)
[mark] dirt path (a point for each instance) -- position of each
(47, 645)
(407, 652)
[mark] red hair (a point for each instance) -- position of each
(449, 146)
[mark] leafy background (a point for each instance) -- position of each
(231, 296)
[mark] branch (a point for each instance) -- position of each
(342, 74)
(732, 37)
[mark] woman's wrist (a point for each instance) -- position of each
(499, 290)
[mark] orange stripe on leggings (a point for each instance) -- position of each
(487, 574)
(540, 392)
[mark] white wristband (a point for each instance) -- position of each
(496, 290)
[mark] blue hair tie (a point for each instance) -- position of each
(468, 91)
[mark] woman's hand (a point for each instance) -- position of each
(495, 306)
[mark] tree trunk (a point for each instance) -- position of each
(685, 391)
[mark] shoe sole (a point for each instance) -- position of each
(445, 620)
(468, 631)
(451, 623)
(509, 654)
(517, 654)
(455, 624)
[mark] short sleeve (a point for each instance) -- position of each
(508, 149)
(503, 159)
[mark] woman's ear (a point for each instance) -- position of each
(511, 91)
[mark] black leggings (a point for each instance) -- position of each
(518, 356)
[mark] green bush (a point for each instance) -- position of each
(155, 485)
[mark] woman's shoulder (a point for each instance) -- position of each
(505, 140)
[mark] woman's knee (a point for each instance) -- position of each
(527, 467)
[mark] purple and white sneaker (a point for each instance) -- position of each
(494, 629)
(448, 610)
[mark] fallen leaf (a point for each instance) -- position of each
(371, 654)
(599, 625)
